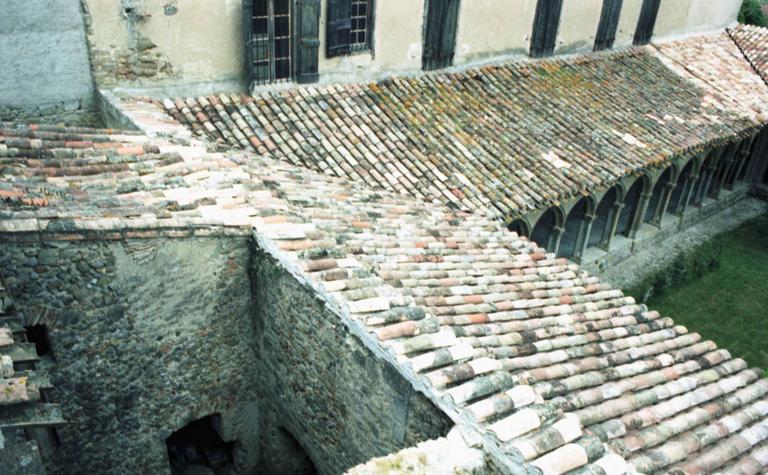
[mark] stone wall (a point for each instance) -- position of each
(45, 69)
(147, 335)
(341, 403)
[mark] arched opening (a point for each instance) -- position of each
(654, 212)
(519, 227)
(631, 204)
(681, 187)
(718, 176)
(543, 230)
(698, 188)
(601, 227)
(573, 229)
(198, 449)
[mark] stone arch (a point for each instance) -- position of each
(605, 213)
(520, 226)
(659, 194)
(546, 231)
(576, 227)
(701, 184)
(632, 203)
(681, 192)
(199, 446)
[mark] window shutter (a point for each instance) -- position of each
(308, 22)
(647, 21)
(440, 34)
(609, 20)
(337, 28)
(248, 30)
(545, 25)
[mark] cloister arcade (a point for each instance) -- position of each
(645, 202)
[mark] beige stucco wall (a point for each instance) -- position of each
(397, 43)
(682, 17)
(493, 27)
(578, 26)
(625, 31)
(201, 41)
(193, 42)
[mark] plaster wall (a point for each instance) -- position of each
(44, 58)
(142, 42)
(578, 26)
(493, 27)
(682, 17)
(185, 47)
(396, 43)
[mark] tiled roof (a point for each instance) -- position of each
(500, 138)
(553, 367)
(753, 42)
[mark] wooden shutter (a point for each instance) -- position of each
(647, 21)
(440, 35)
(248, 30)
(307, 33)
(609, 20)
(545, 25)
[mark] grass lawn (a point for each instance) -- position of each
(730, 304)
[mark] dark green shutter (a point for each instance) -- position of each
(248, 30)
(647, 21)
(337, 28)
(308, 22)
(545, 25)
(440, 34)
(609, 20)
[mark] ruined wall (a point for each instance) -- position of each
(45, 70)
(147, 336)
(341, 403)
(151, 334)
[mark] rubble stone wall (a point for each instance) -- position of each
(341, 403)
(46, 74)
(147, 335)
(150, 334)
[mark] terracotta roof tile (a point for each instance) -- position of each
(556, 368)
(753, 42)
(501, 138)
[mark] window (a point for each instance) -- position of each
(545, 25)
(359, 36)
(647, 21)
(349, 26)
(609, 20)
(440, 34)
(271, 41)
(281, 40)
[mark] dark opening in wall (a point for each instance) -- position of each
(288, 456)
(38, 334)
(198, 449)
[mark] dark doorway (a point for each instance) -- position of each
(38, 334)
(197, 449)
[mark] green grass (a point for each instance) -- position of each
(730, 304)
